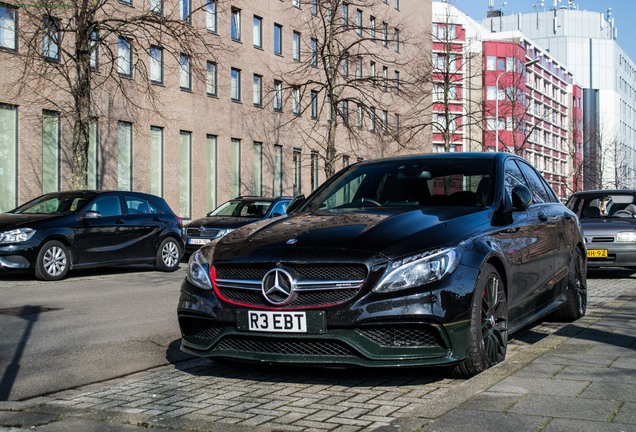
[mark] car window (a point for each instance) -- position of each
(254, 209)
(226, 209)
(136, 205)
(107, 206)
(512, 177)
(536, 186)
(605, 204)
(52, 204)
(280, 208)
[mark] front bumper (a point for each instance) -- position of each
(407, 329)
(618, 255)
(18, 256)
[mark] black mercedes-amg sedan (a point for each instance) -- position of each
(60, 231)
(409, 261)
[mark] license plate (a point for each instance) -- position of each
(597, 253)
(198, 241)
(269, 321)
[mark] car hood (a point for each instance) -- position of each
(221, 222)
(10, 221)
(607, 226)
(389, 232)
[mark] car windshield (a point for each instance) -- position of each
(604, 205)
(418, 182)
(247, 209)
(53, 204)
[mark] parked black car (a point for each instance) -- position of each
(231, 215)
(60, 231)
(410, 261)
(608, 218)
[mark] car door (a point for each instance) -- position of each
(528, 245)
(144, 226)
(100, 236)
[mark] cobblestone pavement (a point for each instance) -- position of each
(202, 395)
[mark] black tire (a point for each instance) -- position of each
(53, 261)
(488, 325)
(168, 255)
(575, 304)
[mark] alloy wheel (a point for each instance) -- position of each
(494, 313)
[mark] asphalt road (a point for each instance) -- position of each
(90, 327)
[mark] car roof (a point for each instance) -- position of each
(605, 191)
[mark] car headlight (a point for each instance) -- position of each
(16, 235)
(198, 273)
(626, 236)
(418, 270)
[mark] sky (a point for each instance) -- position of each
(623, 11)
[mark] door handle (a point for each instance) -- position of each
(120, 221)
(542, 217)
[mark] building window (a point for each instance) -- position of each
(93, 145)
(278, 95)
(257, 30)
(184, 11)
(359, 116)
(185, 162)
(358, 22)
(358, 67)
(314, 7)
(8, 21)
(345, 15)
(385, 78)
(396, 81)
(491, 62)
(296, 46)
(296, 101)
(385, 121)
(235, 167)
(257, 169)
(50, 151)
(396, 124)
(124, 57)
(8, 161)
(257, 85)
(372, 119)
(278, 39)
(156, 7)
(235, 24)
(385, 34)
(296, 160)
(185, 80)
(296, 3)
(94, 38)
(156, 161)
(51, 39)
(372, 73)
(278, 170)
(156, 65)
(344, 65)
(124, 155)
(396, 4)
(344, 111)
(372, 27)
(396, 40)
(314, 104)
(235, 85)
(211, 16)
(314, 170)
(210, 79)
(313, 49)
(210, 174)
(501, 64)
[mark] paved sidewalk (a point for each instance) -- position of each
(557, 377)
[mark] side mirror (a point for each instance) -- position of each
(521, 198)
(92, 215)
(276, 214)
(295, 203)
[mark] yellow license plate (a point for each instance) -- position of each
(597, 253)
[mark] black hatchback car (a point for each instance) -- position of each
(60, 231)
(231, 215)
(410, 261)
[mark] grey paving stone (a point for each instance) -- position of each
(555, 387)
(562, 425)
(610, 374)
(563, 360)
(492, 401)
(565, 407)
(627, 415)
(480, 421)
(611, 391)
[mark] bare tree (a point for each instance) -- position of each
(352, 72)
(83, 57)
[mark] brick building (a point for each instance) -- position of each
(201, 126)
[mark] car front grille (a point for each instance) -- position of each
(202, 328)
(604, 239)
(403, 336)
(205, 233)
(315, 285)
(301, 347)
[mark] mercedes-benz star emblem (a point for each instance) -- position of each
(278, 287)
